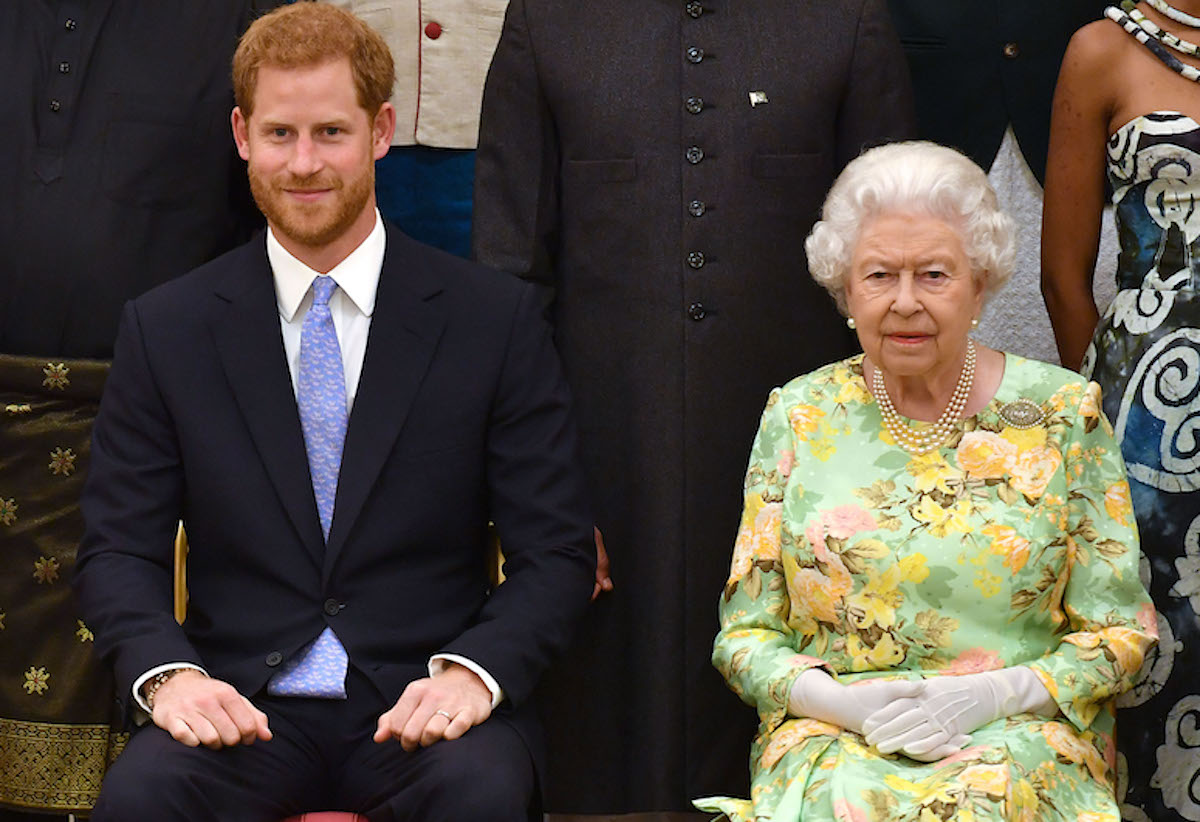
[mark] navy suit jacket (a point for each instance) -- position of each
(461, 416)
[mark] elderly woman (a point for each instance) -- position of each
(934, 594)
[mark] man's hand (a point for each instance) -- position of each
(603, 580)
(197, 710)
(443, 706)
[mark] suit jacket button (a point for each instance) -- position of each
(1011, 50)
(694, 9)
(694, 154)
(695, 259)
(696, 208)
(332, 606)
(274, 658)
(694, 105)
(697, 311)
(694, 54)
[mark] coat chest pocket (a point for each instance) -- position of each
(600, 171)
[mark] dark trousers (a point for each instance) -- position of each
(321, 757)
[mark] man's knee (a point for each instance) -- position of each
(478, 779)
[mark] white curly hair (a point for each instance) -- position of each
(920, 178)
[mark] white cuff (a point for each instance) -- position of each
(437, 663)
(141, 680)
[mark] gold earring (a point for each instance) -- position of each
(850, 323)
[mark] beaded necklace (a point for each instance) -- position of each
(1170, 60)
(917, 442)
(1167, 10)
(1165, 37)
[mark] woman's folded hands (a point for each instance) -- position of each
(923, 719)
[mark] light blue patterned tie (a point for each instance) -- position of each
(319, 669)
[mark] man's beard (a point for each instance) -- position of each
(311, 224)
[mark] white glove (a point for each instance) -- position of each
(938, 721)
(816, 695)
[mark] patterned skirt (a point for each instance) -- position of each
(56, 700)
(1146, 357)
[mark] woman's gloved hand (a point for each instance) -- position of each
(939, 719)
(815, 694)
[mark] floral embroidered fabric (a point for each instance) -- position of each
(1007, 546)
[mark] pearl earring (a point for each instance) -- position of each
(974, 322)
(850, 323)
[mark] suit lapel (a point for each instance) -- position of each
(405, 330)
(248, 340)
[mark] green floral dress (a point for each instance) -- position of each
(1014, 544)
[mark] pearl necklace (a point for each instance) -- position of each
(1167, 10)
(920, 442)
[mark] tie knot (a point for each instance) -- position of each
(323, 288)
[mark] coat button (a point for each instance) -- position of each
(64, 67)
(55, 105)
(332, 606)
(696, 208)
(70, 24)
(694, 105)
(696, 311)
(433, 31)
(695, 259)
(274, 658)
(694, 55)
(1012, 50)
(694, 154)
(694, 9)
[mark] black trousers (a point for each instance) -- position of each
(321, 757)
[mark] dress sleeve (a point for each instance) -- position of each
(754, 648)
(515, 215)
(1098, 598)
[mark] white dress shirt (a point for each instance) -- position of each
(352, 305)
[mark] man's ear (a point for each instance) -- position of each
(381, 130)
(241, 132)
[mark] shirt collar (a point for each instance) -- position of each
(357, 275)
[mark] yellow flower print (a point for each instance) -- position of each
(1025, 801)
(913, 568)
(1067, 744)
(805, 419)
(1025, 438)
(37, 680)
(758, 538)
(815, 594)
(1117, 502)
(934, 789)
(1096, 816)
(791, 734)
(989, 584)
(1089, 404)
(1006, 542)
(1034, 470)
(989, 779)
(851, 391)
(943, 521)
(1127, 645)
(931, 471)
(885, 654)
(876, 603)
(984, 455)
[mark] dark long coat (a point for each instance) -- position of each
(979, 65)
(657, 165)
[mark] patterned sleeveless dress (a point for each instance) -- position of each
(1146, 357)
